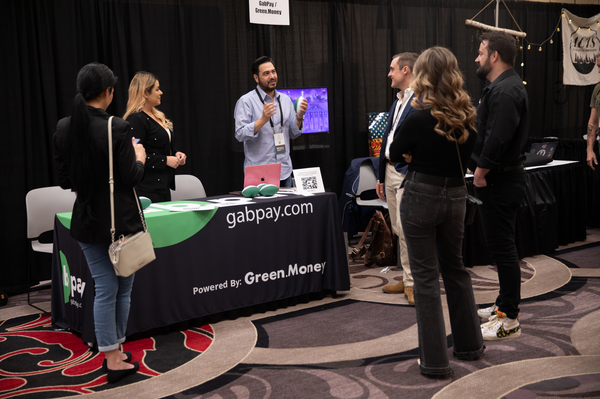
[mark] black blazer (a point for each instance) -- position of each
(400, 166)
(127, 173)
(158, 177)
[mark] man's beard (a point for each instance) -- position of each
(484, 70)
(266, 88)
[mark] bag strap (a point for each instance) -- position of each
(462, 171)
(383, 222)
(379, 221)
(364, 236)
(376, 225)
(374, 259)
(111, 183)
(359, 249)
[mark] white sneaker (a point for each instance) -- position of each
(486, 313)
(500, 327)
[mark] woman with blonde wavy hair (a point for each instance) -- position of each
(152, 129)
(432, 209)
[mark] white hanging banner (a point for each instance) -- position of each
(269, 12)
(581, 40)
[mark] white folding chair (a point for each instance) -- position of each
(187, 187)
(42, 205)
(368, 181)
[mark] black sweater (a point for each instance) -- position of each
(432, 154)
(127, 173)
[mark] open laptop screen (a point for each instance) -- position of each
(258, 174)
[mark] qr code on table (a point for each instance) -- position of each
(309, 183)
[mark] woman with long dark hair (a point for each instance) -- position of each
(81, 156)
(155, 132)
(436, 139)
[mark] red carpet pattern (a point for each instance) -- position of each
(38, 362)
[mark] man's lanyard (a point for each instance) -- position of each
(280, 111)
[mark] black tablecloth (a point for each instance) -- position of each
(575, 150)
(252, 251)
(551, 214)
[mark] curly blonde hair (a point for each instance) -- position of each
(143, 82)
(438, 86)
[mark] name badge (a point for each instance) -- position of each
(279, 143)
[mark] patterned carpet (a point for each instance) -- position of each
(363, 344)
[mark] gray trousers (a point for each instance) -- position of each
(433, 223)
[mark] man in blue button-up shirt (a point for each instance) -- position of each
(265, 120)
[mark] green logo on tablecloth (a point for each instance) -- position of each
(170, 223)
(71, 284)
(66, 276)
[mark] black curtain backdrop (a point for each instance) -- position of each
(202, 51)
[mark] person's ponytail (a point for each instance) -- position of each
(92, 80)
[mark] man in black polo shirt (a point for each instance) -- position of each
(499, 177)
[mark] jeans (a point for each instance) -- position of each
(112, 297)
(502, 198)
(287, 182)
(433, 222)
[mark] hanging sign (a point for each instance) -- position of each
(269, 12)
(581, 41)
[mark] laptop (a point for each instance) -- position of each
(544, 149)
(258, 174)
(540, 154)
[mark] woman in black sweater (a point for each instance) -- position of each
(432, 209)
(81, 157)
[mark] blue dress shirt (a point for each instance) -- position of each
(259, 148)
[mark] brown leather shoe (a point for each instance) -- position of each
(394, 288)
(409, 294)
